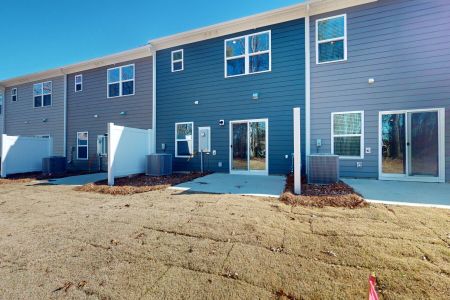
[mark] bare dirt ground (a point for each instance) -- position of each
(57, 243)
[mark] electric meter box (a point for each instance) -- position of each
(204, 139)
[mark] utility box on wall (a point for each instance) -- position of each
(204, 139)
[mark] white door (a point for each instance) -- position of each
(411, 145)
(249, 147)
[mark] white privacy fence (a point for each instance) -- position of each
(21, 154)
(127, 150)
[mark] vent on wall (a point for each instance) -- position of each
(323, 168)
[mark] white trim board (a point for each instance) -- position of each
(408, 204)
(276, 16)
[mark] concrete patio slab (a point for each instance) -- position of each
(79, 180)
(266, 186)
(403, 193)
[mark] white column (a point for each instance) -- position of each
(111, 154)
(297, 152)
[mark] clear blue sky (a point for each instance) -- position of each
(40, 35)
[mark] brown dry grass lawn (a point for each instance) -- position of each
(59, 243)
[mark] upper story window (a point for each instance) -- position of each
(347, 135)
(331, 39)
(121, 81)
(177, 60)
(248, 54)
(1, 103)
(14, 94)
(184, 139)
(78, 83)
(42, 93)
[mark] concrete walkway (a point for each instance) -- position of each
(403, 193)
(267, 186)
(79, 180)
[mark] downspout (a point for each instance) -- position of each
(307, 84)
(65, 117)
(3, 112)
(153, 50)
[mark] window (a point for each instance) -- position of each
(78, 83)
(82, 145)
(177, 60)
(14, 94)
(347, 134)
(249, 54)
(42, 93)
(184, 139)
(1, 102)
(121, 81)
(102, 145)
(331, 39)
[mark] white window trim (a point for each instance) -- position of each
(361, 156)
(14, 93)
(179, 140)
(177, 60)
(81, 83)
(87, 145)
(121, 81)
(247, 55)
(44, 94)
(344, 38)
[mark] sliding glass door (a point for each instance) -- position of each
(411, 145)
(248, 147)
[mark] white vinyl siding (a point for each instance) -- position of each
(184, 139)
(347, 134)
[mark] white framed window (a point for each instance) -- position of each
(121, 81)
(14, 95)
(1, 103)
(331, 39)
(178, 60)
(82, 145)
(184, 139)
(102, 145)
(347, 134)
(42, 94)
(249, 54)
(78, 83)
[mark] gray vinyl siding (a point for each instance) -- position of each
(22, 118)
(92, 100)
(229, 99)
(404, 46)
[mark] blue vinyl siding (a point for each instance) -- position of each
(403, 45)
(220, 98)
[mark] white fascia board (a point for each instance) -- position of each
(120, 57)
(276, 16)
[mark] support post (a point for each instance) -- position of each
(111, 154)
(297, 153)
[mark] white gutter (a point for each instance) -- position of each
(65, 117)
(307, 84)
(153, 50)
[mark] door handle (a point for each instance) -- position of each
(408, 144)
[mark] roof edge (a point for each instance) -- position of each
(284, 14)
(119, 57)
